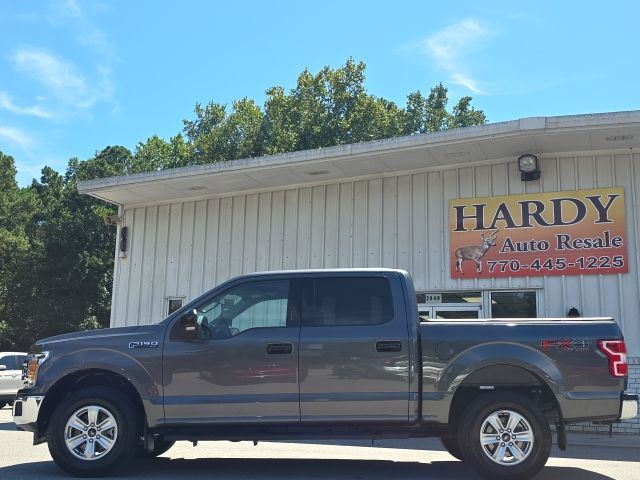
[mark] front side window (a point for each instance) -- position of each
(243, 307)
(344, 301)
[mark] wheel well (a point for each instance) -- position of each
(506, 378)
(81, 379)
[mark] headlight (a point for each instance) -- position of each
(33, 365)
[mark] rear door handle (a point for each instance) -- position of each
(389, 346)
(279, 348)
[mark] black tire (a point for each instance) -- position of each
(126, 441)
(159, 447)
(452, 445)
(536, 452)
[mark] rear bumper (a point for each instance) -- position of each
(25, 412)
(628, 406)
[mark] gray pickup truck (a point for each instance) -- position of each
(322, 354)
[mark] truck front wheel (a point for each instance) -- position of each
(93, 431)
(504, 435)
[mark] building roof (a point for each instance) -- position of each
(537, 135)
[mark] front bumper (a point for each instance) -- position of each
(628, 406)
(25, 411)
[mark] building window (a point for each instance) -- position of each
(514, 304)
(174, 304)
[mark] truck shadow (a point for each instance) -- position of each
(586, 452)
(242, 468)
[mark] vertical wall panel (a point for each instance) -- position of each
(277, 231)
(331, 227)
(224, 239)
(389, 225)
(148, 263)
(345, 225)
(374, 223)
(435, 212)
(135, 250)
(250, 239)
(317, 226)
(421, 225)
(304, 228)
(264, 232)
(290, 229)
(186, 249)
(173, 251)
(160, 265)
(197, 257)
(404, 226)
(211, 243)
(237, 236)
(360, 214)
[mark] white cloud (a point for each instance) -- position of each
(16, 137)
(36, 111)
(470, 83)
(62, 78)
(449, 47)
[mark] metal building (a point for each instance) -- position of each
(411, 203)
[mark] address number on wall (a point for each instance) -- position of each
(433, 298)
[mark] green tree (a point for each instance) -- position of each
(331, 107)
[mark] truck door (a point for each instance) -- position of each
(354, 350)
(243, 365)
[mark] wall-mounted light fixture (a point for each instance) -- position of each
(529, 167)
(124, 231)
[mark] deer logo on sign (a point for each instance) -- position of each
(475, 252)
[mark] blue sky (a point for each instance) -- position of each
(78, 76)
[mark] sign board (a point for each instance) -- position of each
(563, 233)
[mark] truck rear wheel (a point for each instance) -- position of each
(504, 435)
(93, 431)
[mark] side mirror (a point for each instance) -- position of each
(189, 324)
(3, 367)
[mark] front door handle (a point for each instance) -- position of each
(279, 348)
(385, 346)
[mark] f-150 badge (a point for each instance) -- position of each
(144, 344)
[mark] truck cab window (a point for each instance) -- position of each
(243, 307)
(348, 301)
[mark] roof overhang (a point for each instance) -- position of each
(537, 135)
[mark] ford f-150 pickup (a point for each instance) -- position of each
(322, 354)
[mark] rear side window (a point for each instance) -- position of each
(344, 301)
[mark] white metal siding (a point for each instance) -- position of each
(183, 249)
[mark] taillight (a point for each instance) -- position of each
(616, 352)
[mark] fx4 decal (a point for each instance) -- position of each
(565, 344)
